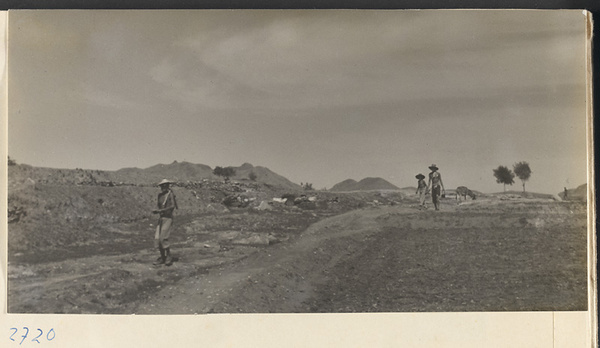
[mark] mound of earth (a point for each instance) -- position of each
(578, 194)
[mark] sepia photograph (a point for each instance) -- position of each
(298, 161)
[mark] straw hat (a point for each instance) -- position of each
(165, 182)
(420, 176)
(433, 167)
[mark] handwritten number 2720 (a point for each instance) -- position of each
(49, 336)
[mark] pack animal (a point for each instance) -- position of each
(463, 191)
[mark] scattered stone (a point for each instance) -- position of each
(264, 206)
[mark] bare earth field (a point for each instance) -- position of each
(490, 254)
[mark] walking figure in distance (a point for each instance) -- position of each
(166, 205)
(421, 190)
(436, 185)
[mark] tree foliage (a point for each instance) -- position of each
(11, 162)
(252, 176)
(225, 172)
(522, 171)
(504, 176)
(307, 186)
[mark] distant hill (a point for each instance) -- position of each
(263, 175)
(175, 171)
(346, 185)
(366, 184)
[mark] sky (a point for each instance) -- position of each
(316, 96)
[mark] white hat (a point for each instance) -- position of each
(165, 182)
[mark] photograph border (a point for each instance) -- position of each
(523, 329)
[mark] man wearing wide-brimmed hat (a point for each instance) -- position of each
(421, 189)
(166, 205)
(435, 184)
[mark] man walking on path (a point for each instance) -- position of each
(166, 205)
(421, 190)
(435, 183)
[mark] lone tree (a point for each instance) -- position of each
(523, 171)
(504, 176)
(224, 172)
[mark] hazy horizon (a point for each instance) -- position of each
(315, 96)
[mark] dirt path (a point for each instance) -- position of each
(296, 266)
(101, 283)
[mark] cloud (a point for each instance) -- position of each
(301, 61)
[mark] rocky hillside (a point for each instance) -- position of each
(60, 208)
(365, 184)
(180, 172)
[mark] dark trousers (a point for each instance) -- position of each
(435, 195)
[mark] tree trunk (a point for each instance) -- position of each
(523, 187)
(504, 188)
